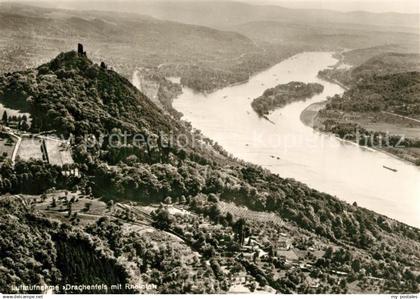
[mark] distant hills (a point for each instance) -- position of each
(249, 38)
(326, 36)
(228, 13)
(388, 63)
(31, 36)
(366, 66)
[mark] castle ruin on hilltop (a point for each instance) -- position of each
(80, 50)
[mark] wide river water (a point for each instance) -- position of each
(289, 148)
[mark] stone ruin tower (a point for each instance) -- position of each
(80, 51)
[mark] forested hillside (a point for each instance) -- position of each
(40, 253)
(367, 63)
(373, 92)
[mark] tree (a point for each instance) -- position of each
(24, 126)
(69, 209)
(87, 206)
(253, 286)
(168, 200)
(229, 218)
(5, 118)
(163, 218)
(43, 197)
(255, 256)
(356, 265)
(183, 200)
(110, 204)
(239, 229)
(343, 284)
(213, 198)
(215, 212)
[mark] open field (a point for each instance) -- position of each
(242, 212)
(56, 205)
(384, 122)
(58, 152)
(393, 129)
(30, 148)
(55, 151)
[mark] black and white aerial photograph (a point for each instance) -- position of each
(221, 147)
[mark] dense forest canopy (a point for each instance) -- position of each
(396, 93)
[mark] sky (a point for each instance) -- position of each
(401, 6)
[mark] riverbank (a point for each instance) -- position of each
(308, 116)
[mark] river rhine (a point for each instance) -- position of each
(289, 148)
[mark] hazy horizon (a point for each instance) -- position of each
(375, 6)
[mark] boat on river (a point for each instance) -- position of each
(389, 168)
